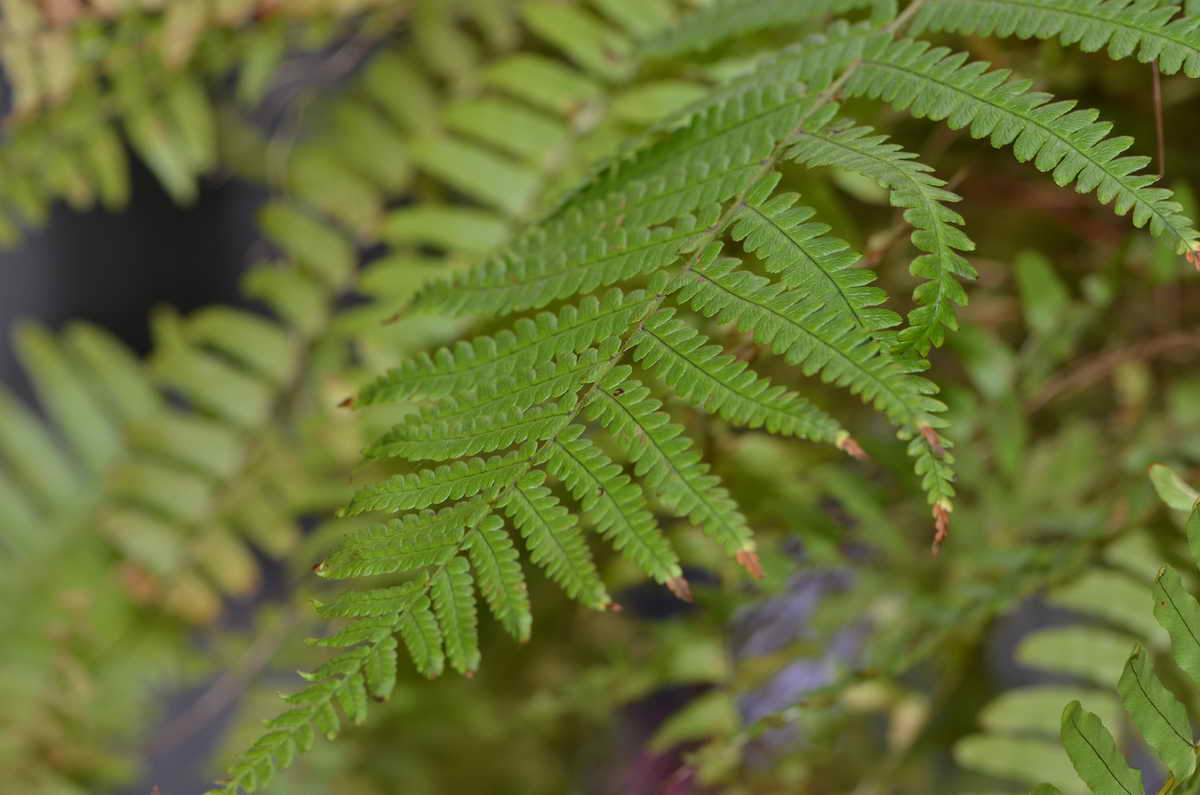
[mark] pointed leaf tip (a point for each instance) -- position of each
(941, 526)
(680, 587)
(748, 560)
(851, 447)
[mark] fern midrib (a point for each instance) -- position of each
(1117, 20)
(828, 276)
(1132, 193)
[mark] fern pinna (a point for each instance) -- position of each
(619, 289)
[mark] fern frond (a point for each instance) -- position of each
(664, 457)
(701, 373)
(530, 342)
(554, 540)
(370, 664)
(515, 284)
(481, 435)
(418, 540)
(454, 604)
(454, 481)
(501, 580)
(1094, 753)
(776, 231)
(807, 334)
(936, 228)
(1071, 144)
(614, 504)
(372, 603)
(1179, 613)
(1158, 714)
(542, 383)
(419, 629)
(1126, 27)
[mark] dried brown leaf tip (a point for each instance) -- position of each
(941, 525)
(933, 440)
(680, 587)
(348, 403)
(850, 447)
(61, 12)
(748, 560)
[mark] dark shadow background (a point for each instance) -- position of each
(112, 268)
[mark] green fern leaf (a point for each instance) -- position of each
(554, 541)
(419, 629)
(417, 540)
(373, 603)
(807, 335)
(454, 603)
(778, 233)
(1179, 613)
(936, 228)
(663, 456)
(540, 384)
(615, 505)
(1124, 26)
(449, 482)
(509, 353)
(501, 581)
(1072, 144)
(1095, 756)
(517, 283)
(1159, 716)
(703, 374)
(477, 435)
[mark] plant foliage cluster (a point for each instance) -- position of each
(679, 274)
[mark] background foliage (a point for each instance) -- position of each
(162, 515)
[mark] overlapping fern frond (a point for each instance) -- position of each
(1020, 723)
(621, 288)
(84, 76)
